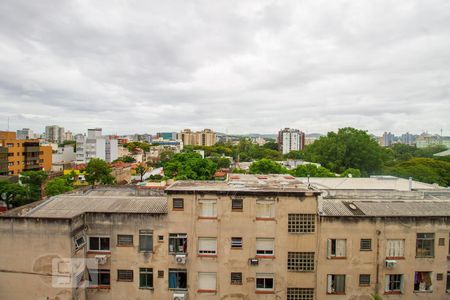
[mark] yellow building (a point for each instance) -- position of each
(206, 137)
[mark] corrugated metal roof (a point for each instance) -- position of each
(384, 208)
(68, 206)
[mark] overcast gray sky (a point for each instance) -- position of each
(233, 66)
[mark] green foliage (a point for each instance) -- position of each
(33, 180)
(189, 165)
(132, 146)
(141, 169)
(402, 152)
(126, 159)
(271, 145)
(267, 166)
(98, 171)
(295, 155)
(56, 186)
(155, 177)
(239, 171)
(221, 162)
(348, 148)
(14, 194)
(354, 173)
(311, 170)
(375, 297)
(73, 143)
(422, 169)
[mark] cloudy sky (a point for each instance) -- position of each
(233, 66)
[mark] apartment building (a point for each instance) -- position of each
(3, 161)
(206, 137)
(250, 237)
(290, 140)
(54, 134)
(25, 155)
(94, 145)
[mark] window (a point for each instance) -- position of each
(160, 274)
(124, 275)
(395, 249)
(364, 279)
(99, 243)
(336, 248)
(301, 223)
(425, 245)
(177, 243)
(124, 240)
(265, 209)
(177, 279)
(178, 203)
(441, 242)
(440, 276)
(237, 204)
(145, 278)
(208, 208)
(394, 283)
(145, 240)
(160, 238)
(236, 278)
(301, 261)
(365, 245)
(207, 246)
(79, 241)
(300, 294)
(265, 247)
(448, 281)
(264, 282)
(236, 243)
(422, 281)
(99, 277)
(336, 284)
(207, 282)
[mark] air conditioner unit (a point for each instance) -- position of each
(180, 259)
(180, 296)
(253, 261)
(390, 263)
(79, 242)
(101, 259)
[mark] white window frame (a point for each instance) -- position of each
(207, 249)
(265, 250)
(265, 276)
(207, 281)
(395, 248)
(330, 289)
(207, 208)
(99, 236)
(265, 208)
(340, 249)
(387, 282)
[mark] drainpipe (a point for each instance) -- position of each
(377, 281)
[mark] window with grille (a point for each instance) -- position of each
(207, 246)
(301, 223)
(300, 294)
(301, 261)
(124, 275)
(365, 245)
(145, 278)
(237, 204)
(236, 278)
(364, 279)
(236, 242)
(124, 240)
(425, 245)
(145, 240)
(178, 203)
(441, 242)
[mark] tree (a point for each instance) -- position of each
(13, 194)
(311, 170)
(267, 166)
(141, 169)
(348, 148)
(98, 171)
(126, 159)
(351, 172)
(422, 169)
(189, 165)
(56, 186)
(294, 154)
(222, 162)
(33, 180)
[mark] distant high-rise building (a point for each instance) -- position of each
(206, 137)
(290, 139)
(387, 139)
(54, 134)
(25, 134)
(94, 145)
(167, 135)
(407, 138)
(68, 136)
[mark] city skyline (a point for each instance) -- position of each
(234, 67)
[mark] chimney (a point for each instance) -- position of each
(410, 184)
